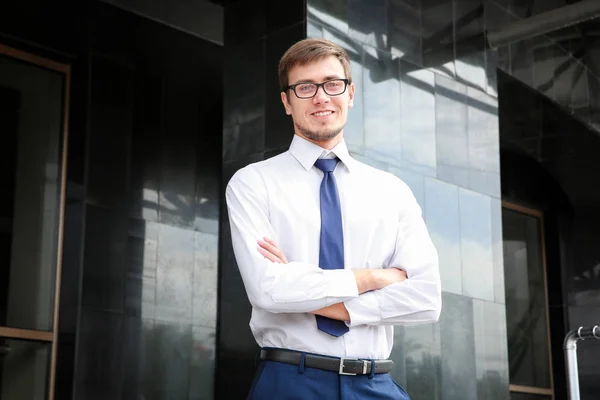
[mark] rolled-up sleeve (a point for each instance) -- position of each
(294, 287)
(416, 300)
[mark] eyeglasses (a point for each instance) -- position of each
(332, 87)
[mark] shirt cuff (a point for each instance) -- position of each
(363, 310)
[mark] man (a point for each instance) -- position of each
(332, 252)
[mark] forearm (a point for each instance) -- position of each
(414, 301)
(366, 280)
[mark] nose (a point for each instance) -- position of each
(320, 96)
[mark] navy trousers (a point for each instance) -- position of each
(281, 381)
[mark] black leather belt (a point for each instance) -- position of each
(343, 366)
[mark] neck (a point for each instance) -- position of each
(327, 144)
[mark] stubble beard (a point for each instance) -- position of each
(319, 135)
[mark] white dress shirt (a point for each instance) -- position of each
(383, 227)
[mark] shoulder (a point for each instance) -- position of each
(253, 175)
(381, 178)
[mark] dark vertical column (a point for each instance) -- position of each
(257, 33)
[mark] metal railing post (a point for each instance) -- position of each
(570, 347)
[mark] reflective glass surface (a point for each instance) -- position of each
(24, 369)
(30, 179)
(527, 327)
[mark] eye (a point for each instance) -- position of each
(334, 84)
(305, 88)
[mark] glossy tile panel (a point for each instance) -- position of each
(437, 18)
(404, 30)
(104, 259)
(491, 354)
(452, 141)
(458, 357)
(443, 221)
(418, 119)
(470, 42)
(423, 357)
(484, 143)
(367, 22)
(382, 106)
(476, 245)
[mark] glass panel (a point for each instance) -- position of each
(23, 369)
(528, 396)
(525, 301)
(30, 122)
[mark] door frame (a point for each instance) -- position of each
(36, 335)
(533, 212)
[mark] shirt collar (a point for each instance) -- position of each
(307, 152)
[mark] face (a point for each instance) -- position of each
(320, 119)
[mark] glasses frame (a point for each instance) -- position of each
(318, 85)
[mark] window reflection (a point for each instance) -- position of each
(525, 290)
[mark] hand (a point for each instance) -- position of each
(271, 251)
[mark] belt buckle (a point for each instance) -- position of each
(341, 370)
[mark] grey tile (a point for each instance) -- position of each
(418, 119)
(314, 29)
(498, 258)
(470, 42)
(438, 36)
(367, 22)
(484, 143)
(458, 348)
(423, 355)
(104, 261)
(485, 182)
(174, 275)
(476, 245)
(99, 355)
(455, 175)
(491, 350)
(178, 156)
(382, 107)
(442, 218)
(398, 355)
(452, 147)
(166, 372)
(484, 146)
(405, 31)
(204, 305)
(330, 13)
(202, 367)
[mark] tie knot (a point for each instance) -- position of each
(326, 164)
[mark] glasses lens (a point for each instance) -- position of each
(305, 89)
(334, 87)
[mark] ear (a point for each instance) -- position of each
(286, 103)
(351, 95)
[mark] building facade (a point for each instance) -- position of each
(122, 122)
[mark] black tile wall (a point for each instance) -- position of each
(139, 273)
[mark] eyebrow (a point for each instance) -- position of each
(329, 77)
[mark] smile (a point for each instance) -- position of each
(322, 113)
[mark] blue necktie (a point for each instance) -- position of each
(331, 244)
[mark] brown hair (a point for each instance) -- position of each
(307, 51)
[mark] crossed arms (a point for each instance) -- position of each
(408, 292)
